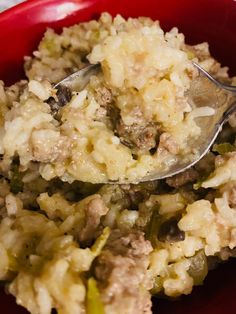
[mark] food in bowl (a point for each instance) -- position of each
(80, 247)
(133, 118)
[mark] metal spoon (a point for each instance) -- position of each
(79, 79)
(74, 82)
(204, 91)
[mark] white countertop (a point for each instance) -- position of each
(4, 4)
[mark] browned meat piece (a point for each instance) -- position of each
(103, 96)
(122, 272)
(122, 278)
(137, 193)
(187, 176)
(170, 232)
(141, 137)
(107, 113)
(226, 253)
(211, 195)
(167, 142)
(64, 95)
(232, 195)
(95, 209)
(131, 245)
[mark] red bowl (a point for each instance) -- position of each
(214, 21)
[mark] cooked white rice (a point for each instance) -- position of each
(82, 248)
(144, 79)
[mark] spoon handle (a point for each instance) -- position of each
(227, 87)
(228, 112)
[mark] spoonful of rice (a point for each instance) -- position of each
(212, 101)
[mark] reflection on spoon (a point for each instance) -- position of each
(205, 92)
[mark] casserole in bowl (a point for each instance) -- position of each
(67, 13)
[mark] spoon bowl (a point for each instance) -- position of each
(205, 93)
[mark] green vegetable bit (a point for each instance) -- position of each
(94, 302)
(198, 184)
(16, 183)
(153, 227)
(101, 241)
(157, 285)
(198, 268)
(223, 148)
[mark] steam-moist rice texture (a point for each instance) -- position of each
(132, 118)
(76, 247)
(48, 254)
